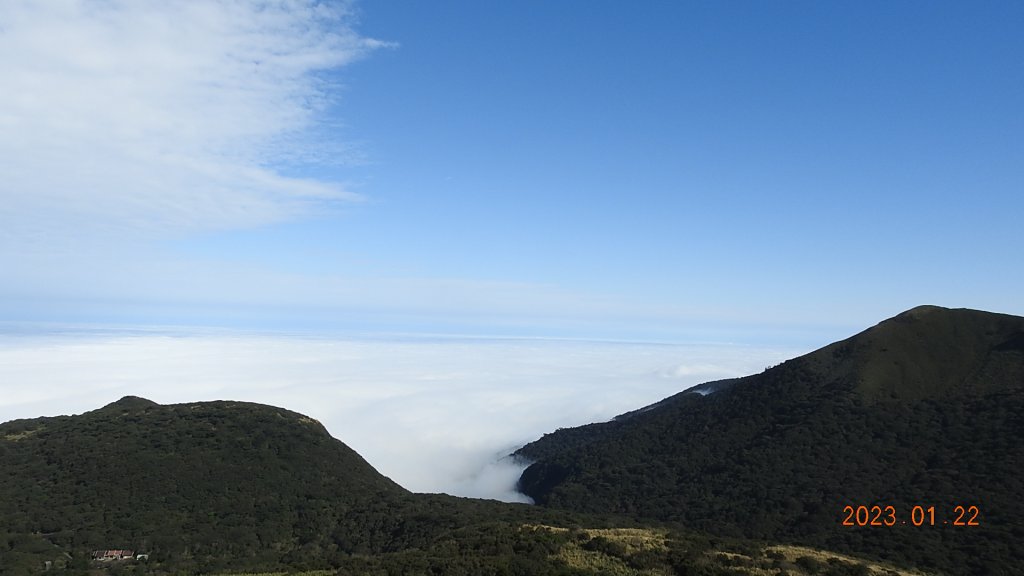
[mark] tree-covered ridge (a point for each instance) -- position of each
(925, 409)
(201, 480)
(231, 486)
(207, 485)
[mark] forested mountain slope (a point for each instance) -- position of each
(217, 487)
(925, 409)
(198, 480)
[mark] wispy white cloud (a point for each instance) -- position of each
(150, 116)
(434, 415)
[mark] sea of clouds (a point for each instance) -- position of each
(434, 414)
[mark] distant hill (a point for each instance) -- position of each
(924, 409)
(188, 480)
(218, 487)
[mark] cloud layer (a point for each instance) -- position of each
(150, 117)
(436, 415)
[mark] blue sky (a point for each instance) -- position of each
(776, 172)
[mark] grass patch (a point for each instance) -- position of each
(794, 553)
(611, 551)
(22, 435)
(310, 573)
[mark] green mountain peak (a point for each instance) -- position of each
(922, 409)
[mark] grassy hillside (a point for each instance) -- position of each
(925, 409)
(538, 550)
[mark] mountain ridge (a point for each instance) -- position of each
(225, 486)
(196, 479)
(922, 408)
